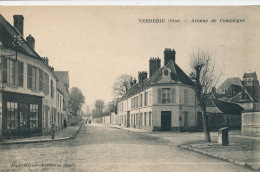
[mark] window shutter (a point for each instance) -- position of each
(20, 74)
(29, 76)
(4, 61)
(173, 95)
(37, 79)
(16, 72)
(159, 96)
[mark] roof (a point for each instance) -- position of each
(228, 107)
(63, 76)
(176, 74)
(250, 75)
(247, 98)
(7, 34)
(225, 85)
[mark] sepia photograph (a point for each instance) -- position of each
(129, 88)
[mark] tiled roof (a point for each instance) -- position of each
(63, 76)
(250, 75)
(228, 107)
(225, 85)
(176, 74)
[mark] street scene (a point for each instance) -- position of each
(129, 88)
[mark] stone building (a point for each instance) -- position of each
(28, 97)
(163, 102)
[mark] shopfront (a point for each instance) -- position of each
(22, 115)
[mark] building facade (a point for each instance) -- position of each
(163, 102)
(28, 85)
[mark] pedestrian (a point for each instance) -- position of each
(87, 121)
(52, 131)
(65, 123)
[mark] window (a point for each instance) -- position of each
(46, 89)
(145, 119)
(166, 72)
(12, 72)
(12, 115)
(166, 95)
(141, 100)
(185, 96)
(145, 99)
(150, 118)
(34, 115)
(41, 80)
(52, 88)
(20, 74)
(33, 78)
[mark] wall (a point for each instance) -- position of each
(251, 123)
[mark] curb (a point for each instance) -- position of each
(45, 140)
(237, 162)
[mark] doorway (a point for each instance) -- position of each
(166, 120)
(24, 127)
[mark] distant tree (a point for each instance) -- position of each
(99, 105)
(77, 99)
(121, 85)
(202, 66)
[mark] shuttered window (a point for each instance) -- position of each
(173, 99)
(46, 78)
(41, 86)
(185, 96)
(159, 96)
(29, 76)
(20, 74)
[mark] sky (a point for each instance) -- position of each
(96, 44)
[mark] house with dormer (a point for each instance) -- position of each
(163, 102)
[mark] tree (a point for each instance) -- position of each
(202, 66)
(77, 99)
(99, 105)
(121, 85)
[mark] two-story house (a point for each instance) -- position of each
(163, 102)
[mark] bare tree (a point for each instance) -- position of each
(121, 85)
(202, 64)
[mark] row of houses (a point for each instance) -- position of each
(33, 96)
(165, 101)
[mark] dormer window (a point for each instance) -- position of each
(166, 72)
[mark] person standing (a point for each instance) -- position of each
(65, 123)
(52, 131)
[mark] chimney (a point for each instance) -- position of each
(140, 77)
(134, 81)
(46, 60)
(154, 65)
(31, 41)
(169, 55)
(18, 23)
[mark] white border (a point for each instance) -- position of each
(133, 2)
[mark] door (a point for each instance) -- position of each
(128, 118)
(166, 120)
(24, 127)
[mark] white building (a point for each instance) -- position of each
(163, 102)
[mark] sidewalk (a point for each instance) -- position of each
(242, 150)
(63, 134)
